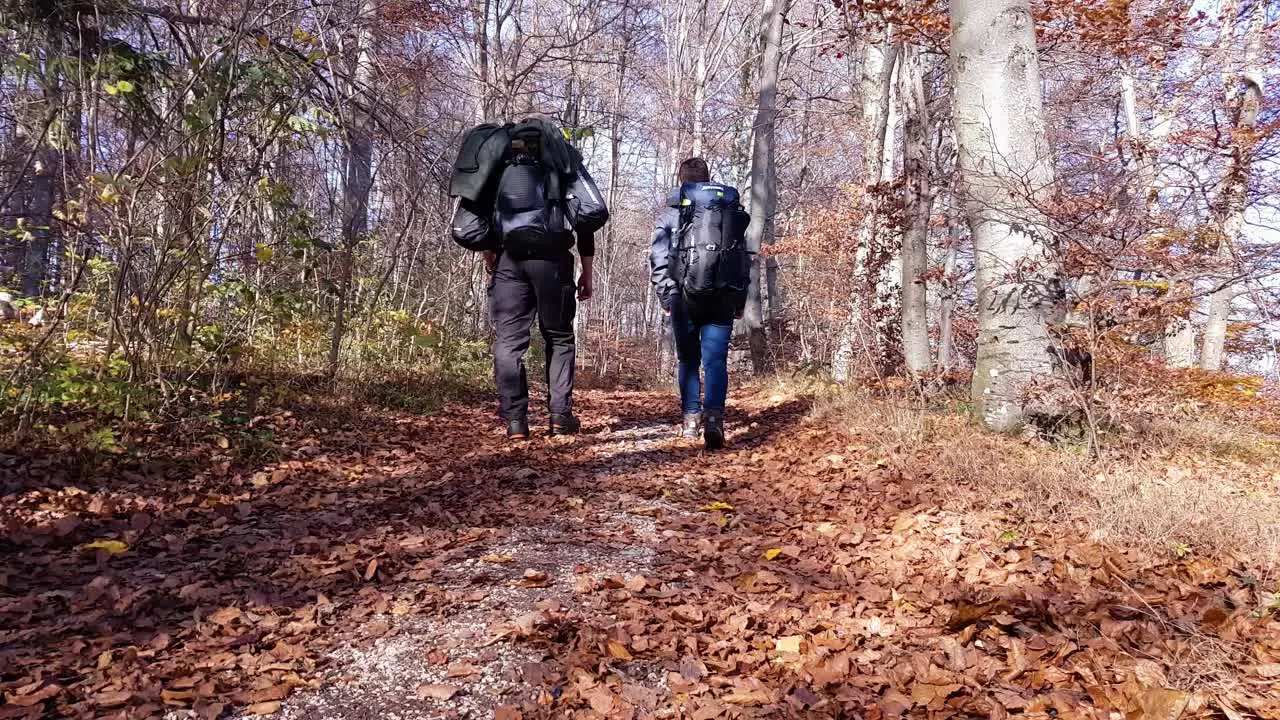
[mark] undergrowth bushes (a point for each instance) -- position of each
(58, 387)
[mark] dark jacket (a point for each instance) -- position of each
(665, 234)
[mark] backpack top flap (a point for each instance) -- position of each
(699, 198)
(708, 195)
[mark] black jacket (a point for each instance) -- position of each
(665, 233)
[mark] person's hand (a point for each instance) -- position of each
(490, 261)
(586, 286)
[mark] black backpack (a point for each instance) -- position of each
(529, 222)
(523, 188)
(711, 255)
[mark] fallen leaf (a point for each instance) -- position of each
(600, 699)
(113, 547)
(436, 692)
(619, 651)
(717, 506)
(805, 696)
(772, 553)
(496, 559)
(34, 698)
(462, 670)
(1164, 704)
(968, 613)
(112, 699)
(264, 708)
(753, 697)
(224, 616)
(1267, 670)
(788, 644)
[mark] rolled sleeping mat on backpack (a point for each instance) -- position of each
(586, 206)
(471, 227)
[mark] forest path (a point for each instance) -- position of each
(383, 564)
(630, 574)
(522, 595)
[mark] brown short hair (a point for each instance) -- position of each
(693, 170)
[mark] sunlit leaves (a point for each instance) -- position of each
(119, 87)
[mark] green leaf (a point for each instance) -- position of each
(263, 253)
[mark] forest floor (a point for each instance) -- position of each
(839, 559)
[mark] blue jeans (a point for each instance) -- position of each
(701, 345)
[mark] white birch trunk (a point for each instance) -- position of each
(1178, 343)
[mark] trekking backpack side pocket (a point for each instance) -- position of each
(471, 227)
(586, 207)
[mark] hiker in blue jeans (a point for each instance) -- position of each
(701, 322)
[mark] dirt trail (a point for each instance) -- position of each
(386, 565)
(473, 657)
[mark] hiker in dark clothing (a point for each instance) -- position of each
(524, 217)
(699, 267)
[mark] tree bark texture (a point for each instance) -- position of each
(1005, 170)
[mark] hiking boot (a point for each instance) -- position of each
(713, 432)
(565, 424)
(692, 426)
(517, 428)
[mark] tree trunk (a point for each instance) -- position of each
(481, 109)
(1180, 343)
(879, 59)
(946, 311)
(917, 207)
(1246, 95)
(44, 182)
(763, 192)
(1005, 170)
(607, 288)
(700, 80)
(357, 177)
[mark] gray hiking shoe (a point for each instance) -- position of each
(692, 426)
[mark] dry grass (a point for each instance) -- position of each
(1187, 485)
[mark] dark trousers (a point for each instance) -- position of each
(519, 290)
